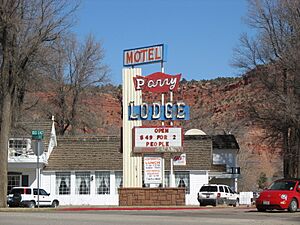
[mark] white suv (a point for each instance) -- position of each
(28, 197)
(215, 194)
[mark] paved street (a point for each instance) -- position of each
(208, 216)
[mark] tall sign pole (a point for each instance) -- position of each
(132, 163)
(38, 148)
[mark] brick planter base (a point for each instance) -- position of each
(151, 196)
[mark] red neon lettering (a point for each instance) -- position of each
(161, 130)
(150, 54)
(137, 56)
(143, 51)
(129, 57)
(157, 56)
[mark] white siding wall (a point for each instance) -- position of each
(197, 179)
(48, 182)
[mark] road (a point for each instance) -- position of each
(209, 216)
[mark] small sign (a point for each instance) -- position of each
(38, 147)
(143, 55)
(155, 111)
(152, 170)
(37, 134)
(179, 160)
(157, 139)
(157, 82)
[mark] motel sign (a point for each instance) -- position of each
(143, 55)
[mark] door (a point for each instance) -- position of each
(44, 197)
(231, 196)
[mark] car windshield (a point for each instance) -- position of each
(209, 189)
(283, 185)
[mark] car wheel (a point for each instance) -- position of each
(55, 204)
(237, 203)
(202, 204)
(260, 209)
(293, 205)
(17, 199)
(31, 204)
(215, 203)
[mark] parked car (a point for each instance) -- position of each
(215, 194)
(28, 197)
(281, 194)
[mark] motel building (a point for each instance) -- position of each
(88, 170)
(148, 165)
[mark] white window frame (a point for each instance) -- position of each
(102, 186)
(118, 180)
(185, 176)
(66, 178)
(82, 178)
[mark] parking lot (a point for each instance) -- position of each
(158, 216)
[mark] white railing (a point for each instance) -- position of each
(25, 156)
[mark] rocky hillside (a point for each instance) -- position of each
(217, 106)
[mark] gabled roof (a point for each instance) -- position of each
(103, 153)
(86, 153)
(225, 142)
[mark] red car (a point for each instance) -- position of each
(282, 194)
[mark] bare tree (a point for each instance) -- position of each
(276, 47)
(26, 27)
(75, 68)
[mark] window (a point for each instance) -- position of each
(102, 183)
(283, 185)
(182, 179)
(63, 183)
(167, 179)
(209, 189)
(41, 191)
(13, 180)
(25, 180)
(230, 190)
(119, 180)
(221, 189)
(83, 185)
(226, 189)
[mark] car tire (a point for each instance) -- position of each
(55, 204)
(293, 205)
(31, 204)
(237, 203)
(17, 198)
(202, 204)
(215, 203)
(260, 209)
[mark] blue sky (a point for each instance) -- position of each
(200, 34)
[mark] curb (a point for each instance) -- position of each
(117, 208)
(129, 208)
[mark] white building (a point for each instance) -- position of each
(87, 170)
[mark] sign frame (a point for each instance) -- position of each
(37, 134)
(161, 59)
(157, 82)
(157, 148)
(176, 111)
(154, 169)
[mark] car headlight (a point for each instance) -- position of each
(283, 196)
